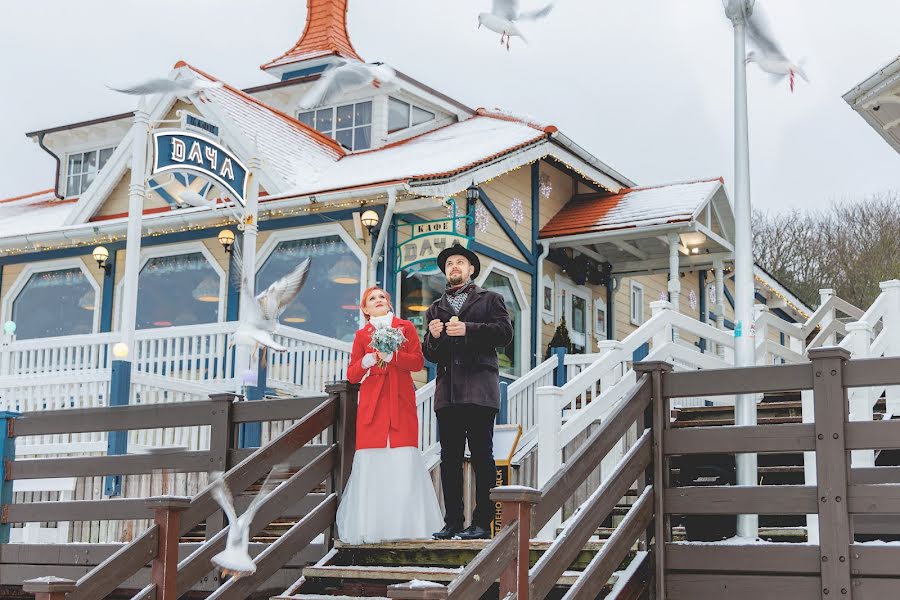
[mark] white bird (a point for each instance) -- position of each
(768, 54)
(235, 558)
(263, 310)
(504, 18)
(192, 198)
(342, 78)
(184, 87)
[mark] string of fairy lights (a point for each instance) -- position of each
(780, 296)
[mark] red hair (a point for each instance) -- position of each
(365, 296)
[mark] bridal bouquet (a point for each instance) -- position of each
(386, 341)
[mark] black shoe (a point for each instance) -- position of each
(447, 532)
(473, 532)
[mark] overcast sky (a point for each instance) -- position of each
(645, 85)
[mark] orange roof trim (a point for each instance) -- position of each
(484, 112)
(325, 33)
(26, 196)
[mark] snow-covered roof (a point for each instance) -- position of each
(32, 213)
(877, 100)
(631, 208)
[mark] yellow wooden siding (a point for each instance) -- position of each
(563, 185)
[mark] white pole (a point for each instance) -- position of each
(248, 266)
(137, 190)
(744, 351)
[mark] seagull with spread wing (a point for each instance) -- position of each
(505, 16)
(768, 54)
(183, 87)
(256, 327)
(343, 77)
(235, 558)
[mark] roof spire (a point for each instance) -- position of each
(324, 37)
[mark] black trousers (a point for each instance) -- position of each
(456, 425)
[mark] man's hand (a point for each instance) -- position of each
(435, 327)
(456, 328)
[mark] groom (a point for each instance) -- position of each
(465, 326)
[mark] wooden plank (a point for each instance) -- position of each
(300, 458)
(79, 510)
(487, 567)
(875, 560)
(587, 458)
(867, 588)
(747, 380)
(737, 500)
(605, 562)
(282, 409)
(752, 558)
(129, 464)
(874, 499)
(877, 525)
(112, 418)
(584, 524)
(872, 435)
(872, 372)
(875, 475)
(795, 437)
(691, 586)
(108, 575)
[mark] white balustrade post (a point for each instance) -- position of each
(549, 452)
(824, 296)
(613, 375)
(665, 334)
(860, 334)
(761, 334)
(719, 268)
(797, 342)
(248, 268)
(891, 324)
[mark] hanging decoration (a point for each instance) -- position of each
(546, 185)
(460, 221)
(663, 297)
(517, 212)
(711, 294)
(692, 299)
(481, 218)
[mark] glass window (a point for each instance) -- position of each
(55, 303)
(600, 325)
(328, 304)
(83, 168)
(511, 355)
(349, 124)
(419, 287)
(420, 115)
(398, 115)
(177, 290)
(637, 303)
(579, 311)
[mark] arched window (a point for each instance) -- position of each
(54, 303)
(182, 289)
(328, 304)
(510, 356)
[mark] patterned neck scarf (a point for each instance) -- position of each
(456, 296)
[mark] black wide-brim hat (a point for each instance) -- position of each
(457, 250)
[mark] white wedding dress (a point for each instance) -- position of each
(389, 495)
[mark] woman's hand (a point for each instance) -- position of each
(369, 360)
(385, 357)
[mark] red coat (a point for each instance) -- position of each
(387, 397)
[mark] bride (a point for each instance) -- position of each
(389, 495)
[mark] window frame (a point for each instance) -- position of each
(50, 266)
(167, 250)
(332, 133)
(636, 319)
(524, 309)
(547, 315)
(409, 118)
(83, 151)
(600, 329)
(566, 291)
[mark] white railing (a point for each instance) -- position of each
(310, 361)
(428, 430)
(521, 401)
(192, 352)
(56, 354)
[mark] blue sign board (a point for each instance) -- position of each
(188, 151)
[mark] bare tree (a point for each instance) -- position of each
(849, 247)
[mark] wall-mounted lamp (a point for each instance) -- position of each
(101, 255)
(473, 192)
(226, 238)
(369, 220)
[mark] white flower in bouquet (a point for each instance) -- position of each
(386, 341)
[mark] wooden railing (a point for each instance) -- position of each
(845, 498)
(175, 517)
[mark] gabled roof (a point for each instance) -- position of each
(325, 34)
(631, 208)
(877, 100)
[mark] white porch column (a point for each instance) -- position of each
(549, 451)
(667, 333)
(719, 269)
(825, 295)
(137, 190)
(248, 268)
(860, 334)
(891, 324)
(674, 273)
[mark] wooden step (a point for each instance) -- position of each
(401, 574)
(326, 597)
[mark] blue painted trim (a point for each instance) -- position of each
(108, 293)
(250, 435)
(559, 372)
(783, 315)
(728, 324)
(510, 233)
(7, 455)
(536, 286)
(470, 222)
(117, 441)
(390, 282)
(641, 353)
(701, 284)
(503, 413)
(303, 72)
(162, 193)
(430, 370)
(233, 287)
(728, 296)
(760, 297)
(610, 307)
(501, 257)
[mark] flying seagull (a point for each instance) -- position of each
(505, 16)
(184, 87)
(256, 327)
(235, 559)
(768, 54)
(342, 78)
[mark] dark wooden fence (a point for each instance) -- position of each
(836, 567)
(173, 517)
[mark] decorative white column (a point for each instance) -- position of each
(248, 266)
(549, 451)
(891, 324)
(674, 273)
(137, 190)
(719, 269)
(860, 399)
(744, 344)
